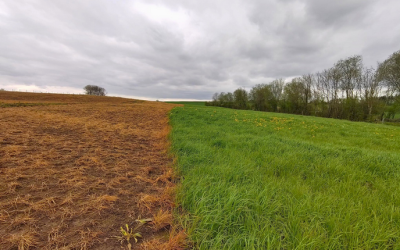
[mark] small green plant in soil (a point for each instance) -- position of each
(131, 233)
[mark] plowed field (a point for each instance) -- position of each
(75, 169)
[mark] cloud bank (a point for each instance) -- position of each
(185, 49)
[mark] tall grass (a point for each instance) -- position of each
(255, 180)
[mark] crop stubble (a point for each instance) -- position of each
(73, 173)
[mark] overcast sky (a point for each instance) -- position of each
(185, 49)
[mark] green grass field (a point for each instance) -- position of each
(256, 180)
(190, 103)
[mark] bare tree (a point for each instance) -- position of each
(215, 101)
(370, 89)
(328, 85)
(308, 82)
(350, 74)
(345, 91)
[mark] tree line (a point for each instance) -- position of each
(348, 90)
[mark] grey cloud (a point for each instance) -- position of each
(332, 13)
(186, 49)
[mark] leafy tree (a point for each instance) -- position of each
(294, 96)
(259, 95)
(389, 72)
(394, 108)
(240, 98)
(223, 99)
(94, 90)
(276, 88)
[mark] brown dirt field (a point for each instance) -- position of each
(74, 169)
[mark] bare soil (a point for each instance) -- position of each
(74, 169)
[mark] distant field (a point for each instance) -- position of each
(190, 103)
(255, 180)
(74, 169)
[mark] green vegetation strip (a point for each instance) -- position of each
(255, 180)
(190, 103)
